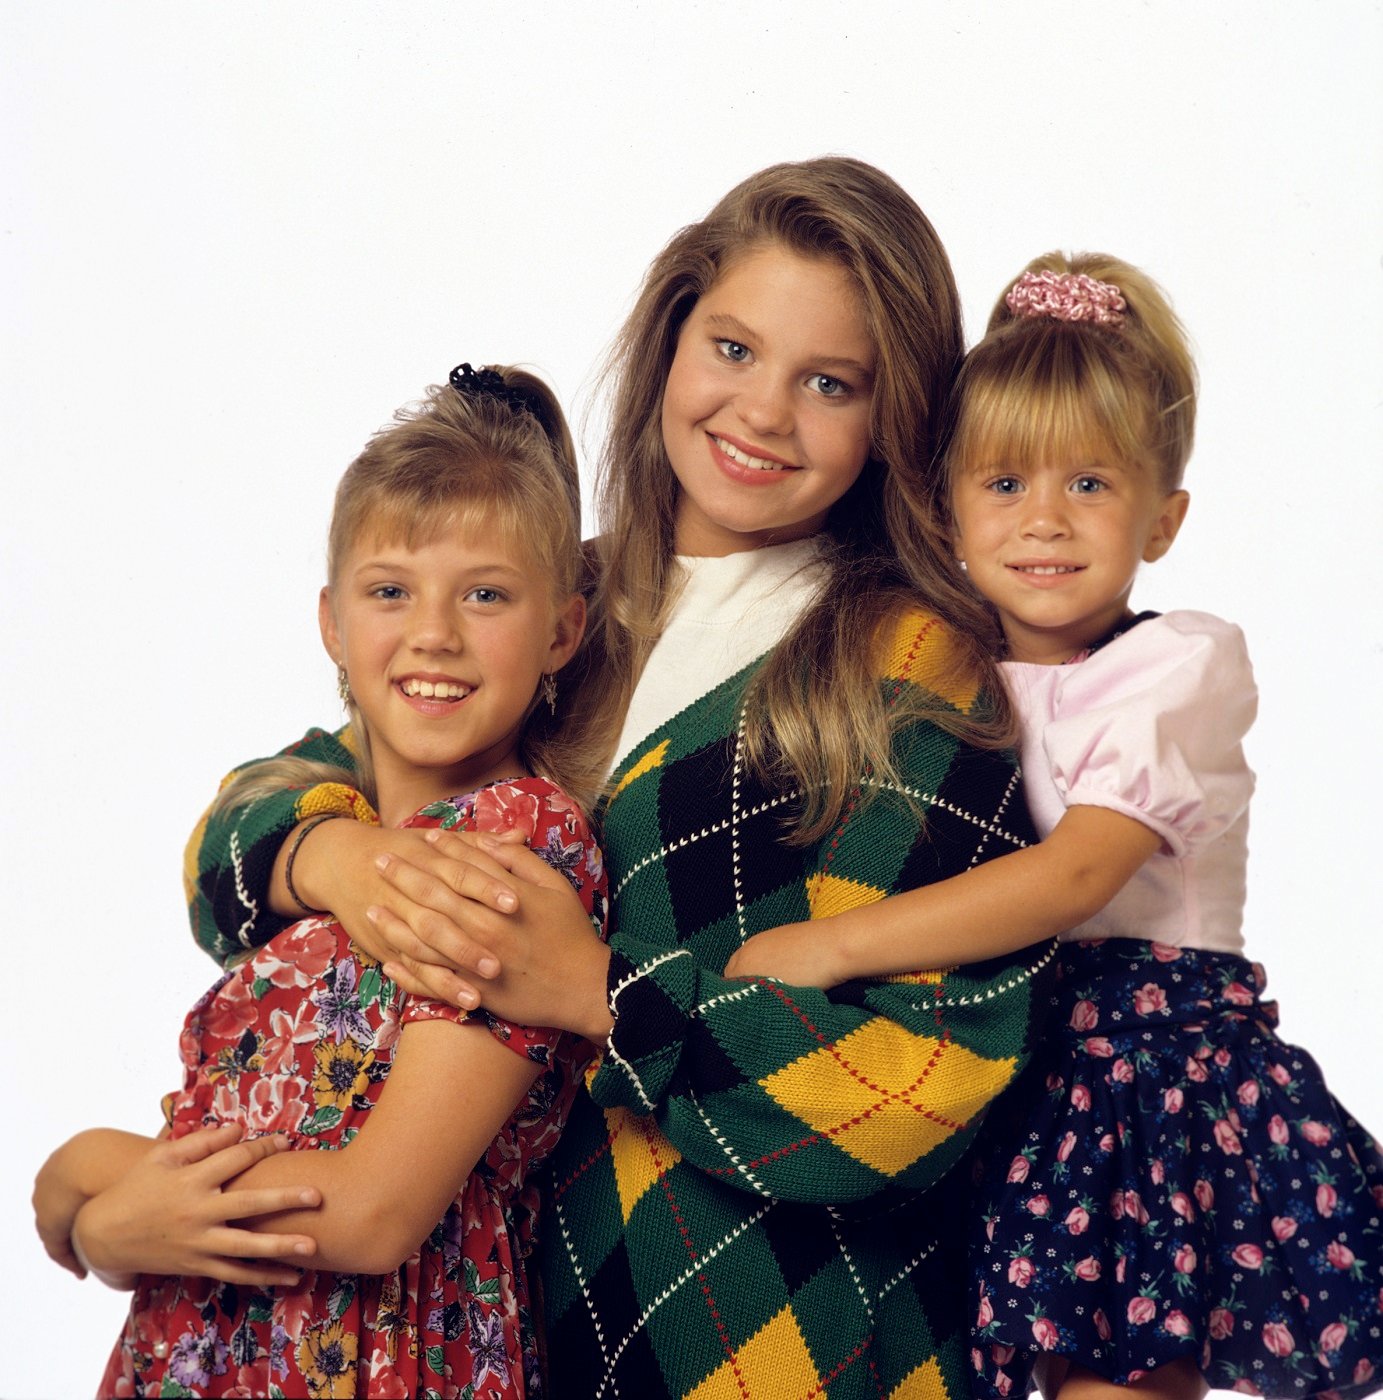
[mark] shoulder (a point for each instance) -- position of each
(1191, 653)
(536, 804)
(917, 648)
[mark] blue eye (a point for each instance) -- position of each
(1006, 486)
(1087, 485)
(485, 596)
(733, 351)
(387, 593)
(828, 386)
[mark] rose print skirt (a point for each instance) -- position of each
(1171, 1180)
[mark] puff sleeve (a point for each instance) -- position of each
(1151, 726)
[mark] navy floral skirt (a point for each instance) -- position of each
(1177, 1182)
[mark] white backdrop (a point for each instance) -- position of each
(235, 238)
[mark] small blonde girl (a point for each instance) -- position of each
(1177, 1201)
(452, 600)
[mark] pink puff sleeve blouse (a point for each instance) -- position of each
(1151, 725)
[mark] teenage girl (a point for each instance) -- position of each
(1180, 1197)
(735, 1207)
(451, 602)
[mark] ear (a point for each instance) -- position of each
(567, 631)
(1166, 526)
(326, 622)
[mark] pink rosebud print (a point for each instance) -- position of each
(1332, 1338)
(1099, 1046)
(1141, 1310)
(1248, 1093)
(1227, 1139)
(976, 1360)
(1196, 1072)
(1134, 1207)
(1165, 953)
(1340, 1256)
(1317, 1134)
(1278, 1130)
(986, 1313)
(1377, 1193)
(1107, 1143)
(1185, 1260)
(1084, 1016)
(1087, 1269)
(1280, 1075)
(1221, 1323)
(1278, 1339)
(1080, 1098)
(1044, 1333)
(1116, 1205)
(1121, 1071)
(1181, 1204)
(1055, 1083)
(1238, 995)
(1102, 1325)
(1248, 1256)
(1120, 1266)
(1021, 1270)
(1173, 1100)
(1065, 1147)
(1077, 1220)
(1177, 1324)
(1221, 1058)
(1002, 1382)
(1149, 998)
(1002, 1353)
(1205, 1195)
(1326, 1199)
(1363, 1371)
(1284, 1227)
(1018, 1169)
(1157, 1171)
(1039, 1205)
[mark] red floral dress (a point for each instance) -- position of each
(299, 1040)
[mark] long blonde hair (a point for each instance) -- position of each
(815, 715)
(463, 460)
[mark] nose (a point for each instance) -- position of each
(765, 405)
(434, 626)
(1044, 515)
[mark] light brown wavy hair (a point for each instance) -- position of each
(816, 718)
(469, 461)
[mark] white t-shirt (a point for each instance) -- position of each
(730, 611)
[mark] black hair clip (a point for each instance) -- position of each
(490, 384)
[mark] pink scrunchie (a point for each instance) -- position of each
(1066, 296)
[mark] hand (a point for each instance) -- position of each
(354, 870)
(799, 954)
(168, 1214)
(552, 965)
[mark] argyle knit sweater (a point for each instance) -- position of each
(753, 1199)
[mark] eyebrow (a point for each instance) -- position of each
(723, 321)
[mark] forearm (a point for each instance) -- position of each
(92, 1161)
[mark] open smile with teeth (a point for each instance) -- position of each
(1046, 569)
(756, 464)
(434, 690)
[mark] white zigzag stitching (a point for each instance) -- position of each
(991, 826)
(642, 1320)
(1003, 806)
(581, 1284)
(242, 894)
(990, 993)
(724, 1144)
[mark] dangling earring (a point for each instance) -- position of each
(343, 685)
(549, 688)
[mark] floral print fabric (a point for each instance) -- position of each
(1175, 1181)
(299, 1040)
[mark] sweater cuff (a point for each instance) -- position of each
(652, 992)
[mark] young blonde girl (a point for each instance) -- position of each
(752, 1197)
(451, 602)
(1178, 1201)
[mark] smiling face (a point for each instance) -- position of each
(766, 410)
(444, 645)
(1055, 546)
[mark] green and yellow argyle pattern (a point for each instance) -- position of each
(753, 1201)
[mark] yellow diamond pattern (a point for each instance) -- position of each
(933, 664)
(924, 1383)
(886, 1095)
(774, 1361)
(640, 1154)
(651, 760)
(829, 894)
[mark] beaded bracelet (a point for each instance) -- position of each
(303, 831)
